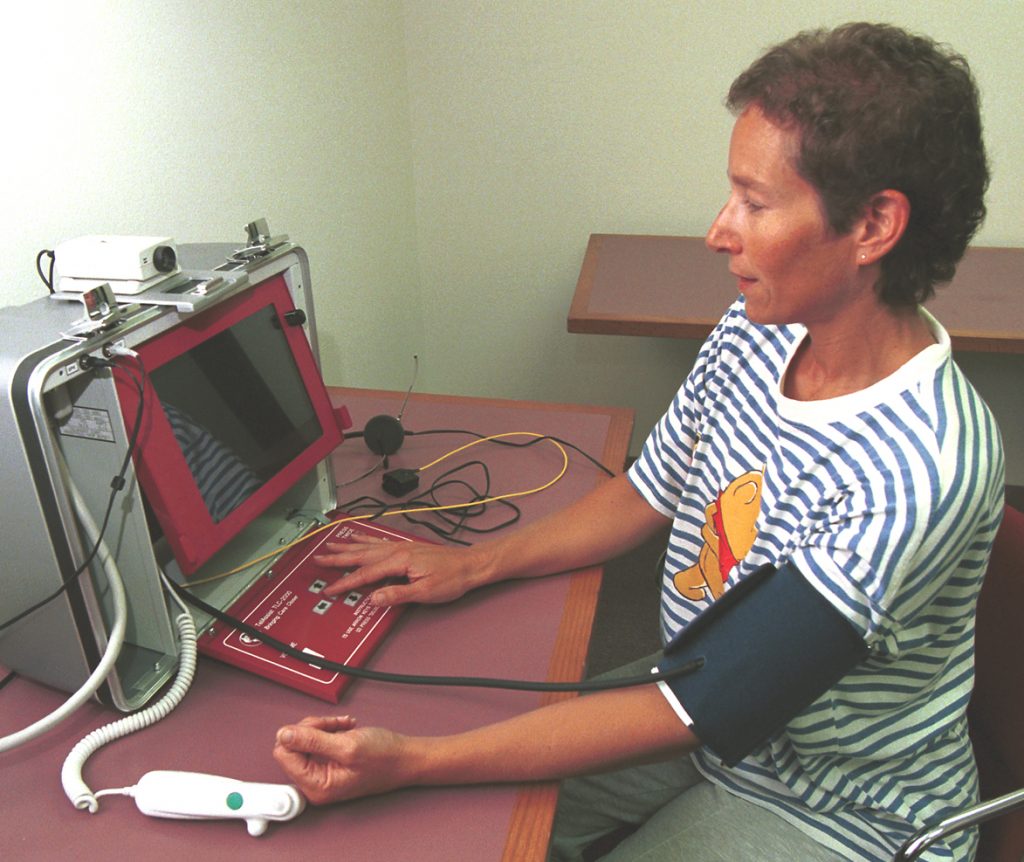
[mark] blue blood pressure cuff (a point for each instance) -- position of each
(771, 646)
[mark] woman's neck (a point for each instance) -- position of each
(855, 353)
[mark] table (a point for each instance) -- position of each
(673, 286)
(535, 629)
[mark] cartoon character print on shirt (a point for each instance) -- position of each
(728, 532)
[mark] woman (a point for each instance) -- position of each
(826, 454)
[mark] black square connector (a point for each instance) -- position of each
(400, 482)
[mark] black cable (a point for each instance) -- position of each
(455, 517)
(473, 507)
(116, 485)
(48, 281)
(452, 526)
(418, 679)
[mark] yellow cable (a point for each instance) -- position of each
(278, 551)
(497, 437)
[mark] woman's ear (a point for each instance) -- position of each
(884, 221)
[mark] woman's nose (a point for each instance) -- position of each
(720, 237)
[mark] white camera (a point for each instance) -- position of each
(130, 263)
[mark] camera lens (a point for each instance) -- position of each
(164, 258)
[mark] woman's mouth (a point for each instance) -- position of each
(744, 282)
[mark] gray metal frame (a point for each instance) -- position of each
(61, 427)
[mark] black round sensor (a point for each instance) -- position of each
(383, 435)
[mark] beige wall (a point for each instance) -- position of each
(190, 119)
(537, 123)
(443, 161)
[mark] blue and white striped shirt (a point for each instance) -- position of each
(887, 500)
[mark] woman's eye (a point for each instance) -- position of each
(752, 206)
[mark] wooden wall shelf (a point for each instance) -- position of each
(673, 286)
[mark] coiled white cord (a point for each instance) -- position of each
(71, 772)
(110, 654)
(75, 788)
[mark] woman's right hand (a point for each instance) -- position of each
(428, 574)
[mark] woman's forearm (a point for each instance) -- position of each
(598, 732)
(610, 520)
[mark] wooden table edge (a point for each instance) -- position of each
(652, 327)
(534, 810)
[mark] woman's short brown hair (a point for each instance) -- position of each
(879, 108)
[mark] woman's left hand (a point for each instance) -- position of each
(329, 759)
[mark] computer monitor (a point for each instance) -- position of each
(235, 413)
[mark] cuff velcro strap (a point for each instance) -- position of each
(771, 645)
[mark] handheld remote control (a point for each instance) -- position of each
(198, 796)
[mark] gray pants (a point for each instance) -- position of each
(678, 815)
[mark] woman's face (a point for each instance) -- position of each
(791, 266)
